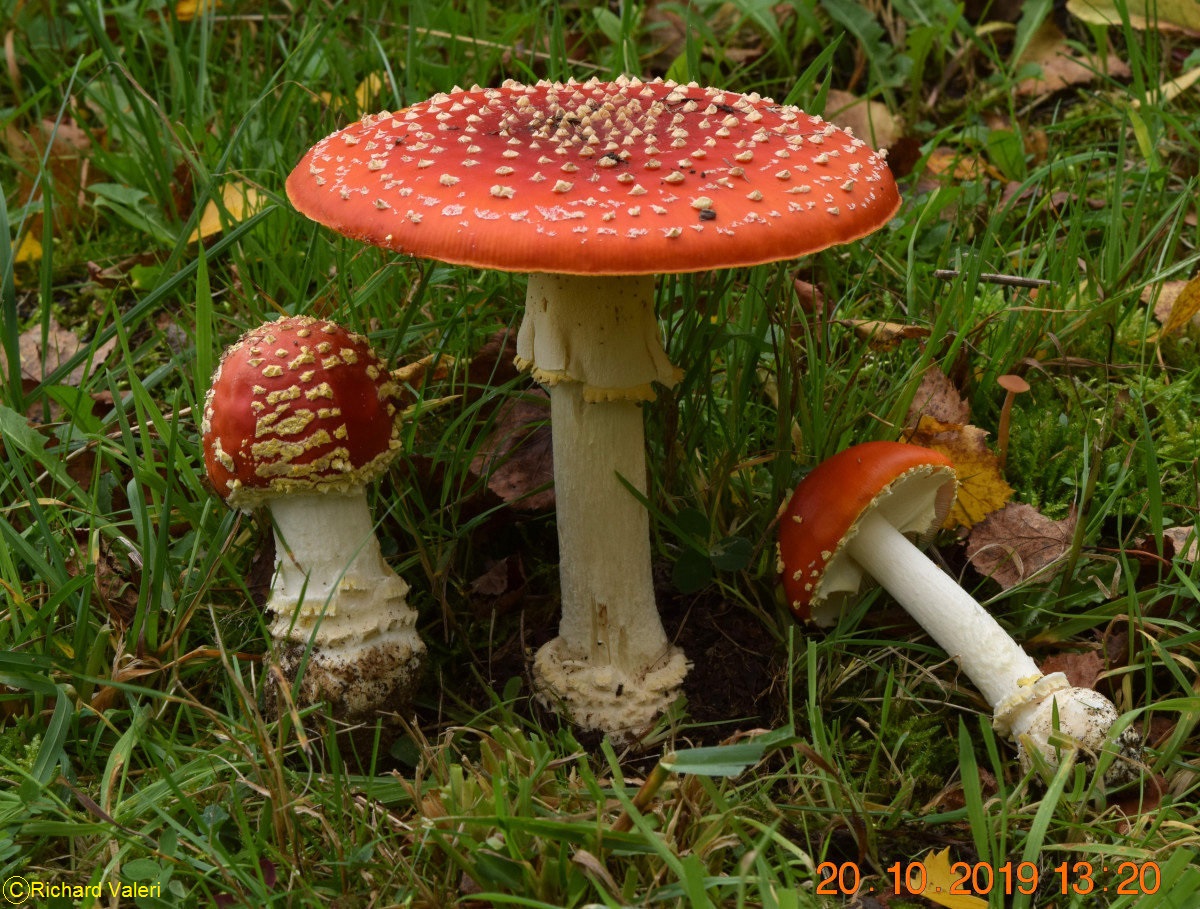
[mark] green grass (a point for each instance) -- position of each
(132, 746)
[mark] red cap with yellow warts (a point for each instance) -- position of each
(300, 404)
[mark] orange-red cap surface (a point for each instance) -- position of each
(610, 178)
(828, 502)
(300, 404)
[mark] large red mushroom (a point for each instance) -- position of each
(594, 188)
(301, 417)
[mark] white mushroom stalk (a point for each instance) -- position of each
(1041, 713)
(849, 519)
(594, 343)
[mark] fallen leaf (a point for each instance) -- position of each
(1161, 15)
(809, 297)
(1144, 799)
(40, 358)
(869, 120)
(948, 166)
(881, 335)
(940, 880)
(1016, 542)
(187, 10)
(366, 91)
(1060, 66)
(239, 200)
(1184, 541)
(66, 149)
(364, 95)
(517, 456)
(29, 250)
(502, 576)
(937, 397)
(1178, 303)
(1173, 88)
(1081, 669)
(950, 162)
(982, 488)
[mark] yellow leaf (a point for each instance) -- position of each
(239, 200)
(1173, 88)
(881, 335)
(982, 488)
(1163, 15)
(364, 95)
(187, 10)
(1186, 305)
(371, 86)
(940, 880)
(29, 251)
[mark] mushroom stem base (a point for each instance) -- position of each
(604, 698)
(341, 613)
(357, 683)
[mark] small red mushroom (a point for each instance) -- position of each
(849, 519)
(301, 417)
(594, 188)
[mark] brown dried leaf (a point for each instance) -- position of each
(500, 587)
(869, 120)
(1142, 800)
(518, 457)
(1061, 67)
(1081, 669)
(116, 585)
(66, 148)
(1014, 543)
(1184, 541)
(949, 162)
(38, 360)
(809, 297)
(937, 397)
(982, 488)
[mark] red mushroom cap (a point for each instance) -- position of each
(298, 404)
(912, 486)
(609, 178)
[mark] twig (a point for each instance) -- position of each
(991, 278)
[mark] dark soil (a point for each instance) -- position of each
(737, 681)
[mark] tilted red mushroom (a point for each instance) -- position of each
(595, 188)
(301, 417)
(848, 519)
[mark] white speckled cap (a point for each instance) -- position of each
(609, 178)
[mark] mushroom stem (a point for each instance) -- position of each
(594, 343)
(1013, 386)
(608, 609)
(333, 589)
(1028, 706)
(611, 665)
(964, 629)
